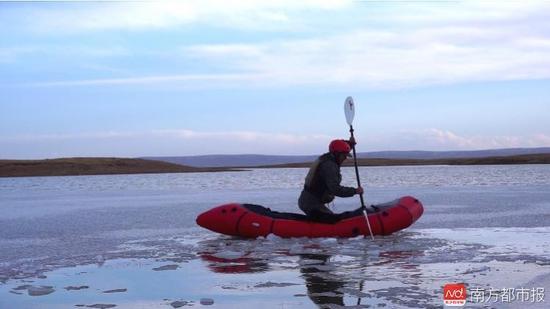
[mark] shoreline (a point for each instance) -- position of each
(96, 166)
(121, 166)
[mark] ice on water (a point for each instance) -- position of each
(486, 226)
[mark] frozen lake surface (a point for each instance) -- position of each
(131, 241)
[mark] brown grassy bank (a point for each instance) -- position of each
(93, 166)
(110, 166)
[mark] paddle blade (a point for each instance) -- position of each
(349, 109)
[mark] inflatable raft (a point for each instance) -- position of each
(251, 221)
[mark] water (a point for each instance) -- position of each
(95, 231)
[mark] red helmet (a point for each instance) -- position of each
(339, 145)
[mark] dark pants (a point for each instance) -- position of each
(316, 210)
(323, 215)
(319, 212)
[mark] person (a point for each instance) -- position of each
(322, 183)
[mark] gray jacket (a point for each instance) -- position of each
(322, 183)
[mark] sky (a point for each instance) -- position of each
(174, 78)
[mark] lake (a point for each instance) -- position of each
(131, 241)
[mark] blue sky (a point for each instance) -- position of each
(270, 77)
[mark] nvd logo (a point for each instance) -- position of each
(454, 294)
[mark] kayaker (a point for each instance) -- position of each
(322, 183)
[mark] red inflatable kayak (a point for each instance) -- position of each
(251, 221)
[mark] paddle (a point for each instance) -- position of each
(349, 109)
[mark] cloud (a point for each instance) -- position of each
(65, 136)
(438, 139)
(540, 139)
(424, 45)
(159, 143)
(191, 142)
(11, 54)
(99, 16)
(245, 136)
(25, 52)
(254, 15)
(391, 59)
(393, 46)
(188, 78)
(365, 58)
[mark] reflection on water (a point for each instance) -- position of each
(234, 266)
(335, 272)
(404, 270)
(322, 287)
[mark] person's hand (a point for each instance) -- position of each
(359, 190)
(352, 142)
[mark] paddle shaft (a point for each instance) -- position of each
(356, 168)
(359, 182)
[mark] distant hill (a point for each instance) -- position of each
(108, 166)
(244, 160)
(520, 159)
(252, 160)
(453, 154)
(92, 166)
